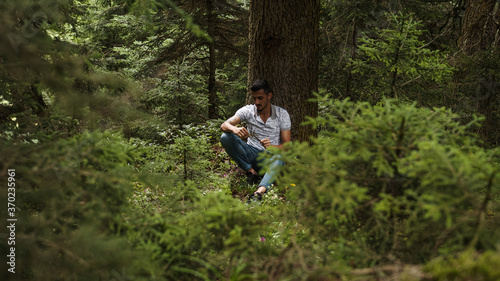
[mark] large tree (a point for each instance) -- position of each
(480, 28)
(480, 42)
(284, 51)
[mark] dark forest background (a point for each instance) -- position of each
(111, 162)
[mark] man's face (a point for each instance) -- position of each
(261, 99)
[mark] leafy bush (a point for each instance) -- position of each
(197, 236)
(70, 198)
(381, 184)
(393, 182)
(192, 153)
(468, 265)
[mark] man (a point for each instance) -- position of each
(268, 125)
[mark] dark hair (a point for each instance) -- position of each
(260, 84)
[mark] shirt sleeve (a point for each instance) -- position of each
(242, 113)
(285, 123)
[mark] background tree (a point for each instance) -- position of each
(284, 50)
(480, 28)
(343, 22)
(479, 80)
(36, 103)
(395, 63)
(221, 35)
(446, 25)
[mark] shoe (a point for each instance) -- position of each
(252, 178)
(255, 198)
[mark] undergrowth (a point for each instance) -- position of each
(383, 190)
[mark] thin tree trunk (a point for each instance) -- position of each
(395, 61)
(180, 111)
(212, 93)
(354, 42)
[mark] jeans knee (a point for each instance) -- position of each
(225, 138)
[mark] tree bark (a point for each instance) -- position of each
(212, 93)
(354, 47)
(481, 26)
(480, 39)
(284, 51)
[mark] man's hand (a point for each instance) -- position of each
(265, 143)
(241, 132)
(230, 126)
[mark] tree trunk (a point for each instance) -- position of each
(284, 51)
(480, 39)
(480, 28)
(354, 42)
(212, 93)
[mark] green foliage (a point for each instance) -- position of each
(70, 198)
(383, 184)
(477, 91)
(467, 265)
(196, 236)
(49, 87)
(190, 25)
(27, 52)
(192, 154)
(394, 182)
(394, 58)
(348, 26)
(188, 154)
(233, 87)
(180, 97)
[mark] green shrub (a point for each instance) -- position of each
(197, 237)
(70, 198)
(393, 182)
(381, 184)
(466, 266)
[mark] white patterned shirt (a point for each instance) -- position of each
(271, 129)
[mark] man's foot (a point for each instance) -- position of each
(255, 198)
(252, 178)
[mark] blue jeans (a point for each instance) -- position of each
(247, 157)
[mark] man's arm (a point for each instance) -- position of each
(286, 136)
(229, 126)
